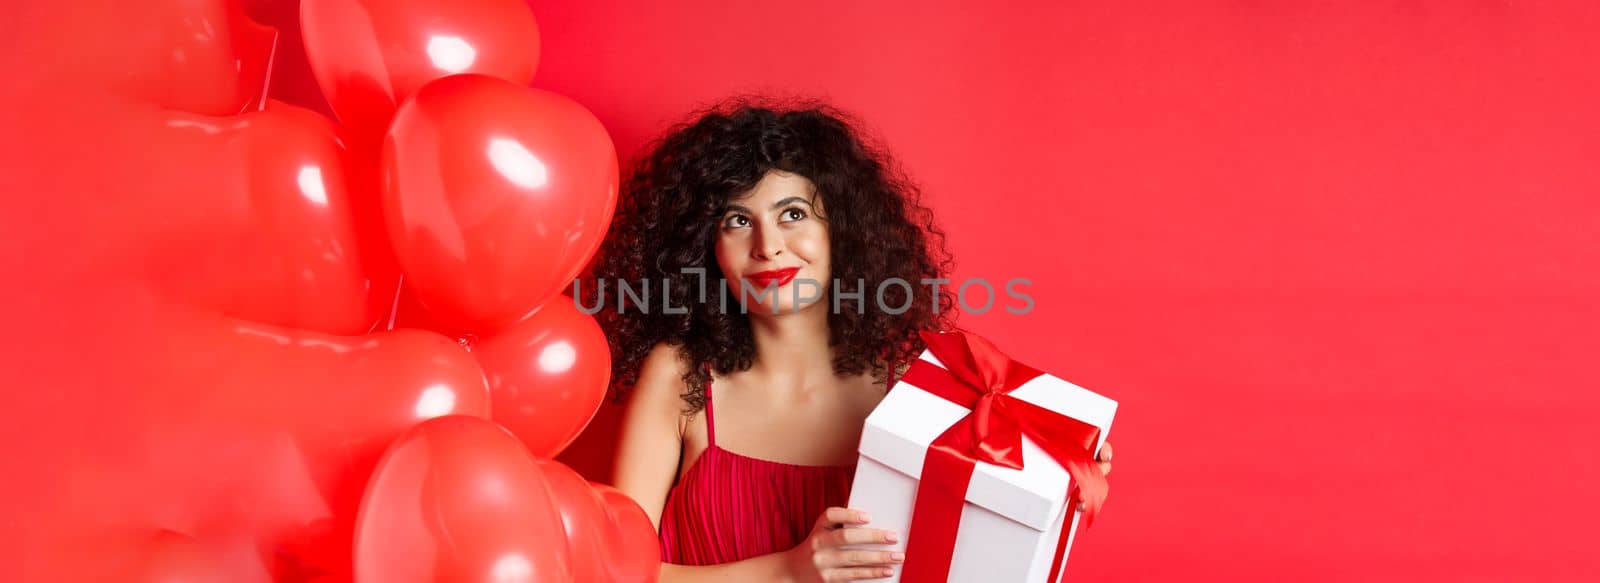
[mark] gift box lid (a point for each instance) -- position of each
(899, 431)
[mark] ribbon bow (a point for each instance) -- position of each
(979, 377)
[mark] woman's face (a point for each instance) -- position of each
(773, 238)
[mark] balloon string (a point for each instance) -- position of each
(266, 75)
(394, 306)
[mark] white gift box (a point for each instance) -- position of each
(1013, 518)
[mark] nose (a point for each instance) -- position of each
(769, 242)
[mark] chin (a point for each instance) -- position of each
(778, 310)
(785, 308)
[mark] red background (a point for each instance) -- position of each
(1336, 260)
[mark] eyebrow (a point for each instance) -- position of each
(775, 206)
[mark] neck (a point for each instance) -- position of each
(792, 347)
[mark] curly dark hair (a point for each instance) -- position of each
(667, 218)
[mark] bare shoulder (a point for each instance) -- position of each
(665, 358)
(660, 387)
(664, 362)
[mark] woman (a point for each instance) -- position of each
(745, 406)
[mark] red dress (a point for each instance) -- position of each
(729, 507)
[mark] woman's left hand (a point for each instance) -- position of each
(1105, 463)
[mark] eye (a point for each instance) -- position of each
(735, 221)
(794, 213)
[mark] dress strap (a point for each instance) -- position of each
(711, 426)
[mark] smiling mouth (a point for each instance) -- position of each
(781, 276)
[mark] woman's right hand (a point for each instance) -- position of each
(823, 558)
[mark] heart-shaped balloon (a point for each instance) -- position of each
(609, 536)
(370, 55)
(150, 555)
(459, 499)
(342, 400)
(198, 56)
(259, 430)
(173, 557)
(547, 374)
(495, 196)
(137, 148)
(167, 556)
(258, 219)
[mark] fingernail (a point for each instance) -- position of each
(891, 537)
(887, 572)
(897, 556)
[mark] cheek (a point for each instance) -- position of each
(813, 247)
(727, 253)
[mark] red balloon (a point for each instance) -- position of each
(496, 195)
(459, 499)
(547, 375)
(341, 400)
(144, 554)
(628, 515)
(609, 536)
(198, 56)
(172, 557)
(258, 430)
(370, 55)
(149, 555)
(259, 220)
(125, 123)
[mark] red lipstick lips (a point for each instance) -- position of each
(762, 278)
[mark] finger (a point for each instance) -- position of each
(1105, 468)
(837, 516)
(861, 536)
(857, 573)
(1105, 453)
(862, 557)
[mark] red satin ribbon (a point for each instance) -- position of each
(980, 377)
